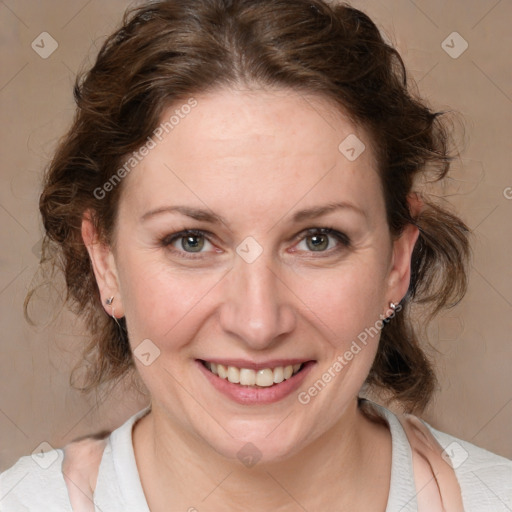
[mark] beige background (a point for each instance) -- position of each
(474, 340)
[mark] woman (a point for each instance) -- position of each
(238, 217)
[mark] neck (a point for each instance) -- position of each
(180, 469)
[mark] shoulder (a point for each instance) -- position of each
(38, 482)
(35, 482)
(485, 478)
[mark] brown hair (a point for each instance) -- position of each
(167, 51)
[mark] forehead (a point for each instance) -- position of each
(233, 122)
(258, 143)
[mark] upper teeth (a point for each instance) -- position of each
(248, 377)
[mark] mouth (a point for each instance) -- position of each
(263, 377)
(258, 385)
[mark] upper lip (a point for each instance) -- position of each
(252, 365)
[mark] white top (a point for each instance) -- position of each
(35, 483)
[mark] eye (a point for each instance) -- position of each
(323, 240)
(187, 242)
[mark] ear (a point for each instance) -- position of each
(104, 267)
(400, 271)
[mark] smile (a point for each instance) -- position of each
(264, 377)
(262, 384)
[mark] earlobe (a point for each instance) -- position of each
(103, 264)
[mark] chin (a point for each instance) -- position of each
(257, 441)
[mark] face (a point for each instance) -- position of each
(246, 237)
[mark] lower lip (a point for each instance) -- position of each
(248, 395)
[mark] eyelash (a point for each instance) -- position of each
(340, 237)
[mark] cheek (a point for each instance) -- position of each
(347, 300)
(159, 303)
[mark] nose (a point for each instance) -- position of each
(258, 306)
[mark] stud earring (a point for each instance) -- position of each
(109, 302)
(393, 306)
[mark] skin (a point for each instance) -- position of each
(255, 157)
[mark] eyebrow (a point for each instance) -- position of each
(208, 216)
(194, 213)
(318, 211)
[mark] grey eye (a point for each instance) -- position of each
(192, 243)
(317, 242)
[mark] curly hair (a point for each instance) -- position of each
(169, 50)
